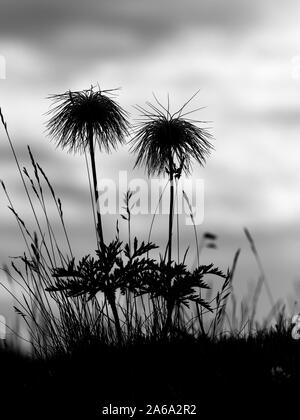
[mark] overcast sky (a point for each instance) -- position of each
(243, 57)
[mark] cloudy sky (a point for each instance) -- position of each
(244, 58)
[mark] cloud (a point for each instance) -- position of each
(63, 38)
(281, 116)
(44, 155)
(149, 19)
(43, 23)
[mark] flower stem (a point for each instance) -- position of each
(96, 193)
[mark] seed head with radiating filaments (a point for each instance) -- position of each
(167, 143)
(75, 114)
(161, 135)
(79, 120)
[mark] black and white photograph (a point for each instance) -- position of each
(149, 208)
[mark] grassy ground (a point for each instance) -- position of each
(262, 371)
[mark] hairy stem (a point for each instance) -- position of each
(96, 193)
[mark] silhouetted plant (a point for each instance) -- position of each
(167, 143)
(128, 208)
(80, 119)
(226, 291)
(108, 273)
(178, 286)
(55, 323)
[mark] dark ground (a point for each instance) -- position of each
(232, 377)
